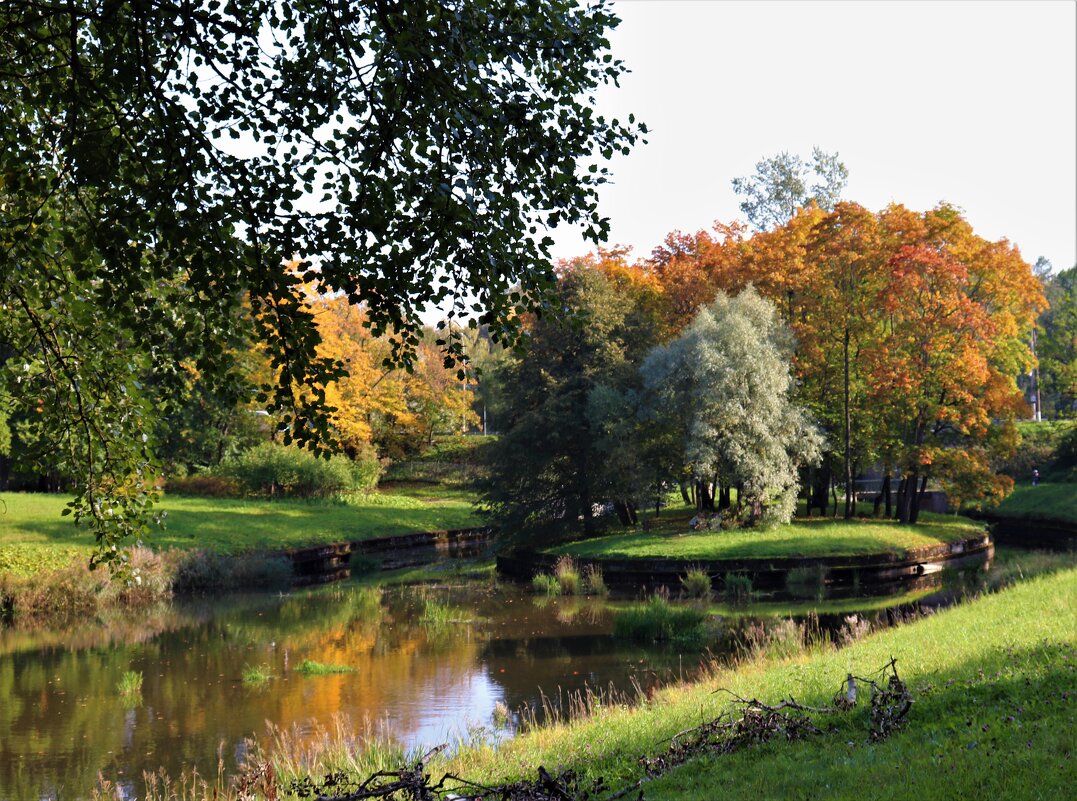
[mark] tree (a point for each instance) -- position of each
(728, 383)
(1057, 343)
(552, 462)
(780, 186)
(956, 312)
(161, 162)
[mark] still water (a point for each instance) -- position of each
(430, 663)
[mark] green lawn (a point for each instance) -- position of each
(809, 537)
(994, 713)
(33, 535)
(1050, 501)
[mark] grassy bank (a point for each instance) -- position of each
(806, 537)
(35, 538)
(993, 684)
(1045, 502)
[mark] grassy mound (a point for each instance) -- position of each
(810, 537)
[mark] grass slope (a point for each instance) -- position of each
(34, 537)
(995, 706)
(1045, 502)
(809, 537)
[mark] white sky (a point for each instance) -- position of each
(974, 103)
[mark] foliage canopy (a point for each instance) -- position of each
(160, 162)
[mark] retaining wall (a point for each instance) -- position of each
(834, 576)
(321, 564)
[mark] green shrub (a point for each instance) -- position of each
(568, 576)
(736, 589)
(272, 470)
(545, 584)
(594, 583)
(1049, 446)
(696, 584)
(658, 620)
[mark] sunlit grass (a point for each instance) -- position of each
(818, 537)
(989, 719)
(308, 667)
(1046, 501)
(34, 537)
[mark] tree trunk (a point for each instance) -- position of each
(849, 489)
(621, 509)
(884, 493)
(907, 498)
(685, 496)
(821, 487)
(704, 496)
(724, 501)
(918, 498)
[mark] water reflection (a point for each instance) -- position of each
(430, 663)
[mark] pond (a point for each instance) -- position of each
(430, 663)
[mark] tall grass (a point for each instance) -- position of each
(736, 589)
(568, 576)
(256, 675)
(308, 667)
(696, 583)
(658, 620)
(594, 583)
(129, 688)
(545, 584)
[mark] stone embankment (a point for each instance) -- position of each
(777, 578)
(321, 564)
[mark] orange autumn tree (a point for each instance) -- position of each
(885, 307)
(396, 411)
(955, 311)
(833, 318)
(691, 269)
(369, 397)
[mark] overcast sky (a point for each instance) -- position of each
(974, 103)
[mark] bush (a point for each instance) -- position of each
(696, 584)
(272, 470)
(1046, 446)
(206, 485)
(201, 571)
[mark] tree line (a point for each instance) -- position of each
(785, 362)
